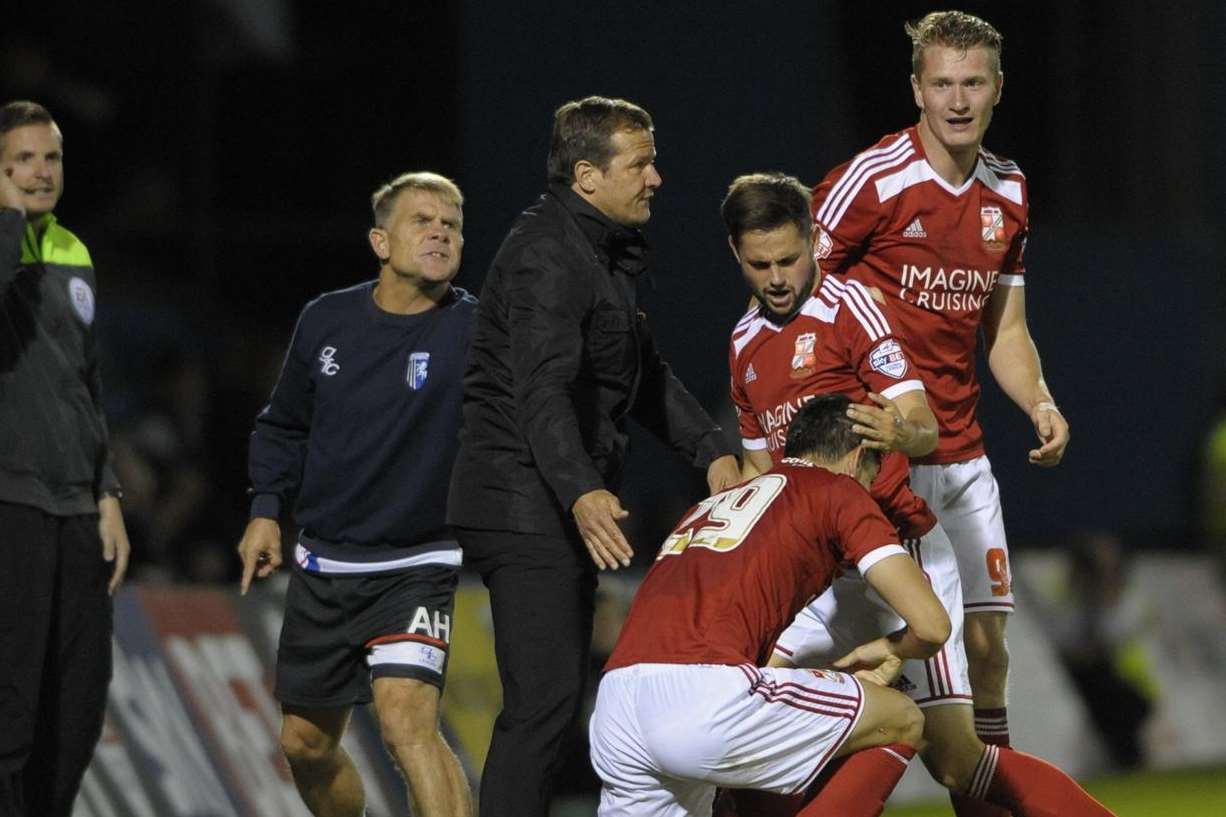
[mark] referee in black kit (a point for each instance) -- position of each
(560, 358)
(361, 431)
(61, 527)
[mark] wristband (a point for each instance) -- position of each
(1046, 405)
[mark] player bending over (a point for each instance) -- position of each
(687, 705)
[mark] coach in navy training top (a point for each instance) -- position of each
(359, 438)
(362, 426)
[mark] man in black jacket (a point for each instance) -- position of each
(560, 356)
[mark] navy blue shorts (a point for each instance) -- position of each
(342, 632)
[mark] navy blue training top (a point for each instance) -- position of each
(361, 429)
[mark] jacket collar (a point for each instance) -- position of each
(36, 231)
(626, 247)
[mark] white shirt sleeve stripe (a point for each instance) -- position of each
(902, 388)
(754, 445)
(850, 178)
(841, 291)
(1010, 189)
(848, 187)
(861, 295)
(831, 216)
(884, 552)
(1012, 280)
(738, 344)
(869, 329)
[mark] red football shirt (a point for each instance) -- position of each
(936, 252)
(840, 342)
(741, 564)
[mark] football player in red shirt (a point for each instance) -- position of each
(687, 705)
(938, 225)
(792, 346)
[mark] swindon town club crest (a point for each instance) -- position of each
(992, 223)
(803, 358)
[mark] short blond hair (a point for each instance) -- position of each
(383, 200)
(952, 29)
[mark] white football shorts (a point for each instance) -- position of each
(965, 498)
(851, 613)
(664, 736)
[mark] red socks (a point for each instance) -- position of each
(1030, 787)
(860, 784)
(992, 726)
(855, 785)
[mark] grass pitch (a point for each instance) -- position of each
(1185, 793)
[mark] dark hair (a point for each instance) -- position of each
(952, 29)
(764, 201)
(822, 430)
(583, 131)
(22, 112)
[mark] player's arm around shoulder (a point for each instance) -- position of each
(1014, 361)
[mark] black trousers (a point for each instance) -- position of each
(55, 657)
(542, 594)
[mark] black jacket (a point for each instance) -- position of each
(560, 356)
(53, 437)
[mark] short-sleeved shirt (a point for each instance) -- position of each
(936, 253)
(841, 341)
(741, 564)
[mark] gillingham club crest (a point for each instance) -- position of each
(419, 370)
(992, 221)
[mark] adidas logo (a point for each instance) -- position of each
(915, 230)
(750, 374)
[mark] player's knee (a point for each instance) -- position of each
(986, 649)
(890, 717)
(306, 746)
(910, 725)
(948, 774)
(904, 724)
(952, 748)
(950, 765)
(988, 663)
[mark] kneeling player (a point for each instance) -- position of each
(687, 705)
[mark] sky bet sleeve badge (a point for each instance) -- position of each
(887, 358)
(419, 368)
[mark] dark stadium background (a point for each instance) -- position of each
(220, 154)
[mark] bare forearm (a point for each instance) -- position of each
(1014, 361)
(921, 438)
(909, 645)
